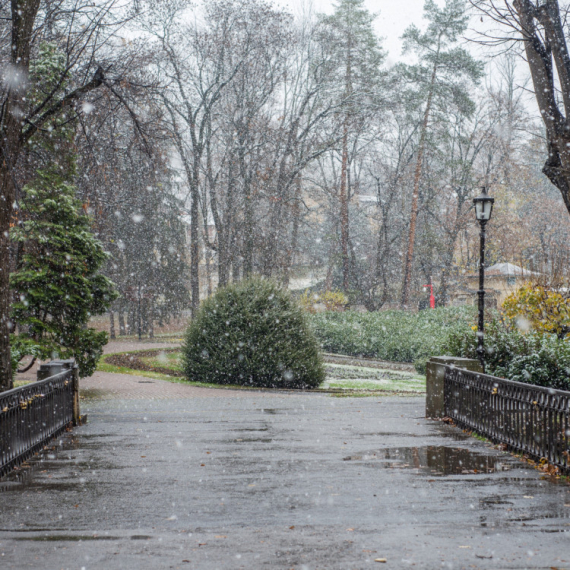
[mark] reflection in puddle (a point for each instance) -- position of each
(438, 460)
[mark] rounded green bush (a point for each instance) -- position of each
(253, 334)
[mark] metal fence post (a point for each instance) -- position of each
(76, 410)
(435, 372)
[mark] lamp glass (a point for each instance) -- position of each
(483, 209)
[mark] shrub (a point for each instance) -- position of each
(252, 333)
(532, 357)
(399, 336)
(308, 300)
(332, 300)
(543, 309)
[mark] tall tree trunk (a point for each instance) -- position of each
(344, 190)
(7, 195)
(236, 269)
(446, 271)
(208, 256)
(541, 48)
(151, 318)
(112, 324)
(122, 329)
(223, 262)
(294, 233)
(131, 319)
(5, 324)
(194, 252)
(23, 16)
(343, 198)
(415, 195)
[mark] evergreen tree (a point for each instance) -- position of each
(356, 53)
(56, 284)
(442, 77)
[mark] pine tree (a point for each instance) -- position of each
(443, 75)
(56, 285)
(356, 53)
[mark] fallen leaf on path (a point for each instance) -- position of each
(291, 527)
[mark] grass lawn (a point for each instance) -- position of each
(364, 378)
(339, 377)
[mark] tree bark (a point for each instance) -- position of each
(194, 253)
(112, 324)
(415, 196)
(122, 330)
(151, 318)
(343, 199)
(540, 56)
(24, 14)
(294, 232)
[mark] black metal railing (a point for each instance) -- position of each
(32, 415)
(530, 419)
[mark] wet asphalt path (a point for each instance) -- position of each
(170, 476)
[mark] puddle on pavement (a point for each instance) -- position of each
(438, 460)
(93, 393)
(67, 538)
(78, 537)
(455, 435)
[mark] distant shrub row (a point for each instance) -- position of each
(533, 357)
(399, 336)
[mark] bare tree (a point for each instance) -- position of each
(541, 28)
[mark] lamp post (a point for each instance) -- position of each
(483, 209)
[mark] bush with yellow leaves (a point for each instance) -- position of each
(335, 301)
(542, 309)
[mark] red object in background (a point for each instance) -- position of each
(431, 297)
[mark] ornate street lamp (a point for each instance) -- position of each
(483, 209)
